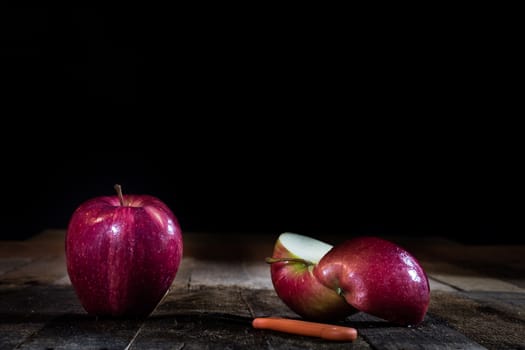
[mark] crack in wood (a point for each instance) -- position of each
(243, 298)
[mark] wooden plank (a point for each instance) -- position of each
(431, 334)
(217, 273)
(16, 323)
(47, 243)
(9, 264)
(259, 274)
(265, 303)
(380, 334)
(200, 318)
(466, 279)
(480, 319)
(45, 270)
(507, 304)
(255, 275)
(186, 318)
(51, 317)
(510, 303)
(81, 331)
(478, 300)
(436, 285)
(216, 318)
(26, 309)
(216, 300)
(203, 331)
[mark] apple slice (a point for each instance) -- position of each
(292, 264)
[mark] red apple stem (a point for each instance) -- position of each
(118, 188)
(297, 260)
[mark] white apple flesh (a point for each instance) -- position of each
(368, 274)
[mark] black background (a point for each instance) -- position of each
(268, 121)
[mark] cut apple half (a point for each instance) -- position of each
(293, 262)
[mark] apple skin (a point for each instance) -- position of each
(122, 259)
(378, 277)
(296, 285)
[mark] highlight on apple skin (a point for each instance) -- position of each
(122, 253)
(368, 274)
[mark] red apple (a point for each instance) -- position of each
(122, 253)
(368, 274)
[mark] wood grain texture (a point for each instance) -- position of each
(218, 318)
(24, 310)
(9, 264)
(43, 270)
(467, 279)
(80, 331)
(494, 325)
(431, 334)
(477, 300)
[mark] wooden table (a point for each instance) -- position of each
(477, 301)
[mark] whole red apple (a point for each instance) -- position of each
(367, 274)
(122, 253)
